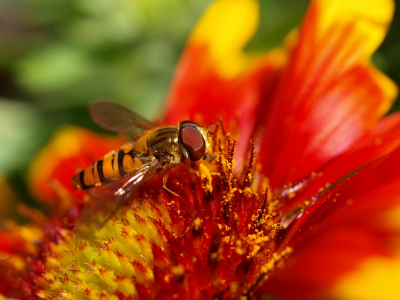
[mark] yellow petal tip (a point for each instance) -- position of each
(224, 30)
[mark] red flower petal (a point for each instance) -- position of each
(339, 232)
(70, 150)
(384, 138)
(327, 97)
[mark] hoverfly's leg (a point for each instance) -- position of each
(183, 202)
(190, 169)
(165, 179)
(210, 157)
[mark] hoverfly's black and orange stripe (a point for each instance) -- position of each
(121, 155)
(111, 167)
(100, 170)
(81, 180)
(129, 160)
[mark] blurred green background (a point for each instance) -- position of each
(58, 55)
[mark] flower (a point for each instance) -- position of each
(300, 202)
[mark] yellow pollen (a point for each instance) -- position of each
(206, 178)
(248, 192)
(275, 258)
(240, 249)
(226, 239)
(197, 223)
(178, 270)
(233, 287)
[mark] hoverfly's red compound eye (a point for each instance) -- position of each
(192, 140)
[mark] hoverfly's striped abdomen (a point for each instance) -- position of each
(111, 167)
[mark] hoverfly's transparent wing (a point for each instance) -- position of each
(105, 202)
(114, 117)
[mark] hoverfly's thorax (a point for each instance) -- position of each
(163, 140)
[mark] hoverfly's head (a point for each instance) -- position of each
(194, 140)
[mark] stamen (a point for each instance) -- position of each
(248, 176)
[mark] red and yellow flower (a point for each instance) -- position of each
(307, 210)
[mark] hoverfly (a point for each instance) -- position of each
(119, 173)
